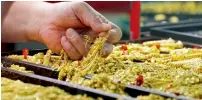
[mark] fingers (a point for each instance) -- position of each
(96, 21)
(108, 47)
(90, 17)
(70, 49)
(115, 33)
(78, 42)
(87, 31)
(76, 47)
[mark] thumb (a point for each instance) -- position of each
(91, 18)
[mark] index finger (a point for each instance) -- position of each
(115, 33)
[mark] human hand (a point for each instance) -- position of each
(59, 26)
(68, 20)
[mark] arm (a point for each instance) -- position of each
(57, 26)
(21, 20)
(5, 6)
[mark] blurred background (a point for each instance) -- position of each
(119, 12)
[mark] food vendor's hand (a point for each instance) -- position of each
(65, 23)
(57, 25)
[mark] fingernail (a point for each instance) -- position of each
(65, 42)
(64, 39)
(70, 33)
(112, 31)
(106, 27)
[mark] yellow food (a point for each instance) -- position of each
(178, 70)
(174, 19)
(160, 17)
(18, 90)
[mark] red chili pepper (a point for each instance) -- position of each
(158, 46)
(124, 47)
(139, 80)
(25, 52)
(196, 47)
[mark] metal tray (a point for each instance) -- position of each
(68, 87)
(50, 79)
(179, 32)
(44, 72)
(183, 19)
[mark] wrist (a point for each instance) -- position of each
(40, 12)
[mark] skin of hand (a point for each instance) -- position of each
(58, 25)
